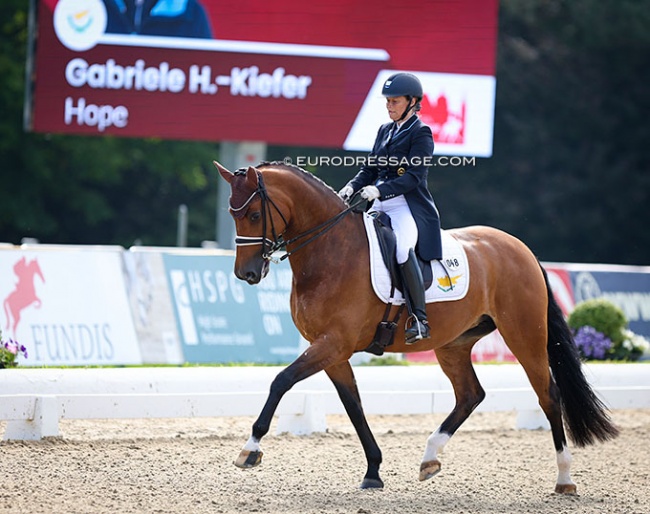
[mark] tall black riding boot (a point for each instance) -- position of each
(414, 294)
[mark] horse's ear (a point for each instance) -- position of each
(225, 173)
(251, 176)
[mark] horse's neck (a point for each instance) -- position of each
(311, 205)
(325, 255)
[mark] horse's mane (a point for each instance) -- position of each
(297, 170)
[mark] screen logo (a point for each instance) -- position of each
(79, 23)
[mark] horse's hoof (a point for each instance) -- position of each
(570, 489)
(372, 483)
(249, 459)
(429, 469)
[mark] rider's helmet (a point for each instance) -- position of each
(404, 84)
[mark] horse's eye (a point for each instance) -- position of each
(255, 216)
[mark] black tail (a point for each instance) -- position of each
(586, 416)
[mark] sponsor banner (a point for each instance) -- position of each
(625, 286)
(628, 289)
(260, 71)
(107, 306)
(222, 319)
(150, 301)
(67, 306)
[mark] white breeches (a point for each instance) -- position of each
(406, 231)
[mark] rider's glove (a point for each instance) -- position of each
(346, 192)
(370, 193)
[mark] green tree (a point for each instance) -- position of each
(569, 174)
(92, 190)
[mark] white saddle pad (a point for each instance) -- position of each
(449, 282)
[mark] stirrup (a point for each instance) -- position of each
(417, 331)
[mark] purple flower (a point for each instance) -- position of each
(9, 351)
(11, 346)
(591, 343)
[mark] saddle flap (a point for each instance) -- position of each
(388, 245)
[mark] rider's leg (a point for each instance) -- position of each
(406, 233)
(413, 283)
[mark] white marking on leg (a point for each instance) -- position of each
(564, 467)
(435, 444)
(252, 445)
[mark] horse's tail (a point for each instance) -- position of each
(586, 416)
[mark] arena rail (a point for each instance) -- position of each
(36, 400)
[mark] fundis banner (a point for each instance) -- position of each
(286, 72)
(68, 306)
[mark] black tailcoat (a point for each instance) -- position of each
(399, 165)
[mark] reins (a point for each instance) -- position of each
(269, 247)
(325, 226)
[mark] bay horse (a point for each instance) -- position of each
(333, 305)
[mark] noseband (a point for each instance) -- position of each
(270, 246)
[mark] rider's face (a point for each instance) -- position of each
(396, 106)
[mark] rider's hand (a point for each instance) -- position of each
(370, 193)
(346, 192)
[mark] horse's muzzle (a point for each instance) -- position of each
(254, 272)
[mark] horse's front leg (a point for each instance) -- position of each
(343, 378)
(314, 359)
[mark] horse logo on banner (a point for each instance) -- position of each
(24, 294)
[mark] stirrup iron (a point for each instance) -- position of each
(417, 331)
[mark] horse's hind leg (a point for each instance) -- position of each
(343, 378)
(456, 363)
(533, 357)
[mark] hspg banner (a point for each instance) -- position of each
(222, 319)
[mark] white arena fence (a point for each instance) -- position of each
(34, 401)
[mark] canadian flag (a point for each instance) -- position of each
(447, 126)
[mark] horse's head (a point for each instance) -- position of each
(259, 222)
(36, 269)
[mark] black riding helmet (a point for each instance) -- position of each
(404, 84)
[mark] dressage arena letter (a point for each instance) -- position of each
(100, 116)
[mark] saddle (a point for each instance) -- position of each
(445, 280)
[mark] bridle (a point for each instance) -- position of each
(270, 246)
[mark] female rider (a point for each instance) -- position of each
(395, 180)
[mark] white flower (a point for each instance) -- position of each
(636, 342)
